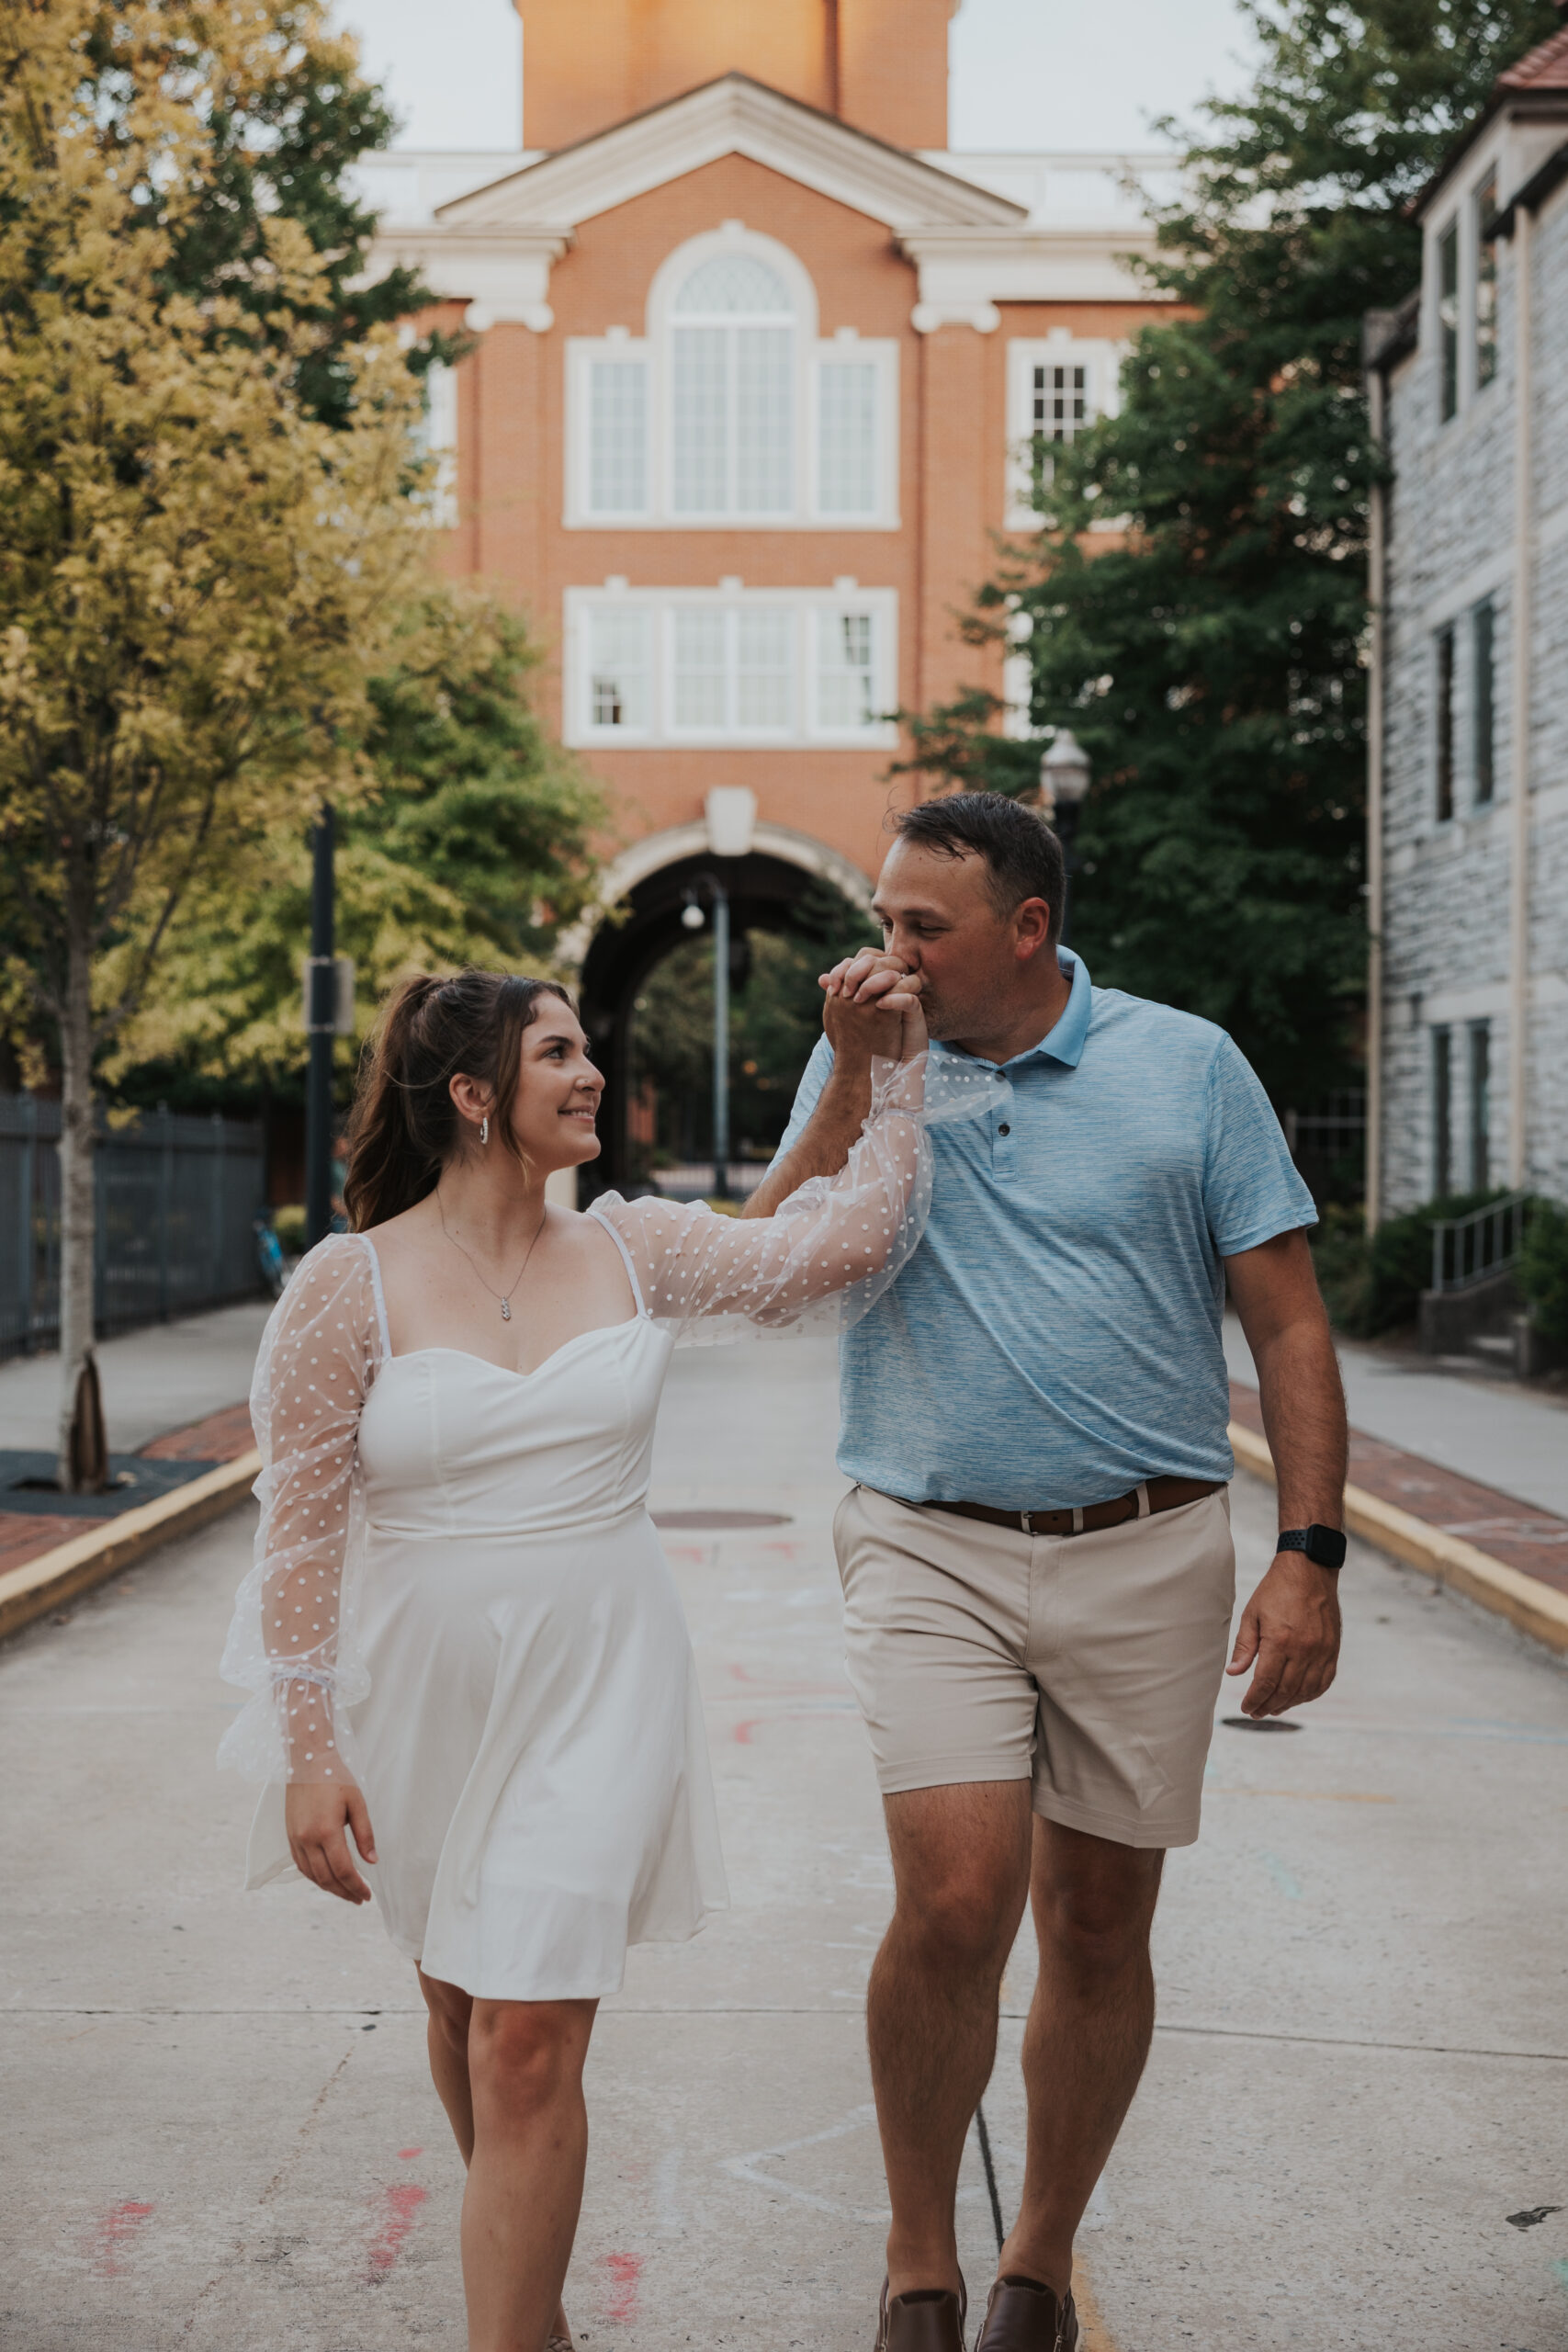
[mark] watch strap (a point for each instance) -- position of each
(1325, 1546)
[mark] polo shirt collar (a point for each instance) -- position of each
(1065, 1041)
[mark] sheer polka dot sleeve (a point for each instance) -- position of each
(292, 1641)
(832, 1247)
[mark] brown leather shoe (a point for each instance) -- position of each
(928, 2319)
(1024, 2316)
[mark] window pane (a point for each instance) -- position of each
(436, 437)
(1442, 1113)
(731, 282)
(1480, 1105)
(617, 420)
(700, 401)
(1485, 687)
(618, 679)
(1448, 318)
(844, 683)
(1059, 403)
(1486, 281)
(764, 421)
(847, 437)
(1445, 794)
(765, 652)
(700, 667)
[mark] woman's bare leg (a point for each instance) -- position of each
(450, 2056)
(526, 2060)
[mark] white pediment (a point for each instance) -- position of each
(734, 116)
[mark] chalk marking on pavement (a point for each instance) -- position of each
(625, 2277)
(746, 2168)
(116, 2232)
(1097, 2337)
(401, 2204)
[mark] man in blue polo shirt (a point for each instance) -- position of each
(1036, 1557)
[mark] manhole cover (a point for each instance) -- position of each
(1257, 1723)
(718, 1523)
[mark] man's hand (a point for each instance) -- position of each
(861, 1026)
(315, 1814)
(1290, 1627)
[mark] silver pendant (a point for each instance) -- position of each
(505, 1311)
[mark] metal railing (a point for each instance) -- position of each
(177, 1201)
(1466, 1249)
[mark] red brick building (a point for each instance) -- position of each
(756, 359)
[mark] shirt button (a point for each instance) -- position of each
(1004, 1129)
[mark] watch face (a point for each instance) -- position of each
(1325, 1547)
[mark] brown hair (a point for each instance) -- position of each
(1023, 857)
(404, 1126)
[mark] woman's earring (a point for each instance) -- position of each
(484, 1128)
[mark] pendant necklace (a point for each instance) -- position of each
(506, 1302)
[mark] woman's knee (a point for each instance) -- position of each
(451, 2009)
(524, 2054)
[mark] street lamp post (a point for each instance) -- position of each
(321, 1024)
(1064, 781)
(693, 919)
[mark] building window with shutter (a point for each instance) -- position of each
(620, 670)
(1483, 692)
(1058, 402)
(1057, 388)
(1442, 1112)
(1445, 725)
(846, 696)
(1448, 321)
(1486, 280)
(1480, 1105)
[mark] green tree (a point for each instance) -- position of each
(198, 576)
(471, 846)
(1209, 655)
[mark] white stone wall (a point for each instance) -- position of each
(1446, 928)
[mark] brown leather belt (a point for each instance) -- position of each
(1155, 1494)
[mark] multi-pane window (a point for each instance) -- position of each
(1484, 704)
(620, 667)
(1058, 402)
(1442, 1111)
(435, 438)
(845, 675)
(672, 665)
(1445, 728)
(1447, 321)
(846, 436)
(1480, 1105)
(617, 436)
(1486, 280)
(733, 670)
(732, 390)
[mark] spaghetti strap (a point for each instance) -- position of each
(606, 1226)
(380, 1294)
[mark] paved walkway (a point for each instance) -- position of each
(1353, 2108)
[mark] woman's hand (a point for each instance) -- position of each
(906, 1001)
(317, 1814)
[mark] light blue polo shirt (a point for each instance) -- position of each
(1055, 1337)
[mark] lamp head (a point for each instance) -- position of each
(1065, 771)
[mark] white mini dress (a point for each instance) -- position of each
(459, 1602)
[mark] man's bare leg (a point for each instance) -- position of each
(1087, 2035)
(961, 1859)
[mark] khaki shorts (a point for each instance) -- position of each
(1088, 1665)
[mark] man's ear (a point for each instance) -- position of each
(1032, 933)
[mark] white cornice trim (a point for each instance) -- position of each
(733, 116)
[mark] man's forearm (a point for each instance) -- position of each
(826, 1141)
(1302, 1400)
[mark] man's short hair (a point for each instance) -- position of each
(1023, 857)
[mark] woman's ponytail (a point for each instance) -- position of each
(404, 1128)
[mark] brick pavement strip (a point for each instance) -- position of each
(1506, 1554)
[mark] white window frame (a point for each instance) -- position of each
(654, 350)
(436, 438)
(1101, 362)
(805, 607)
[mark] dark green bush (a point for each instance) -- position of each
(1543, 1269)
(1370, 1283)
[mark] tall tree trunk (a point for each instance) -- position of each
(77, 1203)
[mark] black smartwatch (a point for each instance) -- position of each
(1325, 1546)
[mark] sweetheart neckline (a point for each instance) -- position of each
(596, 1331)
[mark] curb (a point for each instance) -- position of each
(1533, 1607)
(40, 1585)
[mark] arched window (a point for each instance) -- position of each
(730, 410)
(732, 368)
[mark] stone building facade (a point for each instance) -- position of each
(1468, 758)
(756, 362)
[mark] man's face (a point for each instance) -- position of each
(938, 913)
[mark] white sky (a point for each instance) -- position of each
(1046, 74)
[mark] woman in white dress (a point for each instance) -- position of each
(463, 1643)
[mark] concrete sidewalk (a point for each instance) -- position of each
(1497, 1432)
(153, 1380)
(229, 2139)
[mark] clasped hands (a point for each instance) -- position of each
(872, 1010)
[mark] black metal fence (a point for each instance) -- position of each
(178, 1200)
(1328, 1143)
